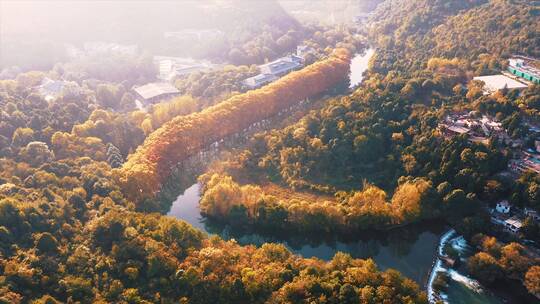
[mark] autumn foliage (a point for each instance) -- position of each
(370, 208)
(182, 137)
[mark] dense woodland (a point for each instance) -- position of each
(375, 159)
(68, 234)
(74, 230)
(146, 169)
(496, 260)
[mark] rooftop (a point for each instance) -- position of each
(498, 82)
(282, 65)
(514, 221)
(524, 64)
(259, 79)
(504, 203)
(458, 129)
(155, 89)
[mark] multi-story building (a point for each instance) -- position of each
(273, 70)
(523, 68)
(282, 66)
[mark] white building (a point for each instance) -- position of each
(513, 224)
(273, 70)
(493, 83)
(155, 92)
(503, 207)
(281, 66)
(171, 67)
(259, 80)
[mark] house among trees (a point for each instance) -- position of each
(529, 161)
(171, 67)
(523, 67)
(282, 66)
(259, 80)
(155, 92)
(531, 213)
(493, 83)
(51, 89)
(479, 128)
(273, 70)
(513, 224)
(503, 207)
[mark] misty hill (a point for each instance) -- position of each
(54, 23)
(411, 32)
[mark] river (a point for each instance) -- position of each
(464, 289)
(412, 250)
(359, 65)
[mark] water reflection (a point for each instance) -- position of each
(359, 64)
(410, 250)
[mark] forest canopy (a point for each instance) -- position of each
(183, 137)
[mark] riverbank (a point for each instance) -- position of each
(414, 251)
(460, 287)
(409, 250)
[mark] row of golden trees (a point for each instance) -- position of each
(371, 208)
(182, 137)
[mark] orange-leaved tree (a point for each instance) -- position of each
(151, 164)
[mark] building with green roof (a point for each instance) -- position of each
(519, 67)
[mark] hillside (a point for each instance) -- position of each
(78, 224)
(147, 169)
(249, 27)
(409, 33)
(380, 151)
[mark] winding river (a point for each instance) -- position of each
(412, 250)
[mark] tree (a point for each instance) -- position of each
(531, 229)
(46, 243)
(484, 267)
(513, 260)
(236, 56)
(114, 157)
(36, 153)
(285, 42)
(532, 280)
(22, 136)
(441, 281)
(80, 289)
(152, 163)
(46, 299)
(10, 215)
(347, 294)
